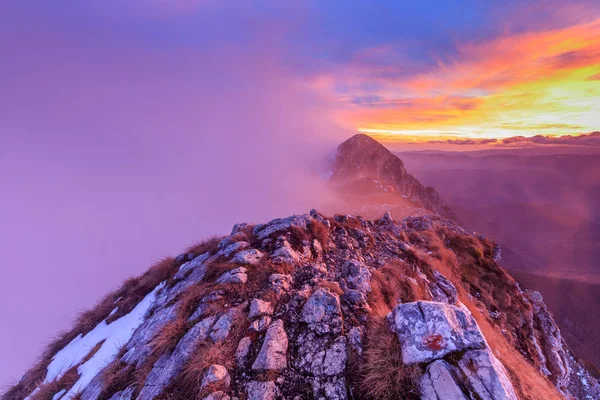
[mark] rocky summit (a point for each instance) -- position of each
(311, 307)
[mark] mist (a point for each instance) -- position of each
(116, 154)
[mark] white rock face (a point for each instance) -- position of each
(486, 375)
(273, 353)
(439, 382)
(251, 257)
(428, 330)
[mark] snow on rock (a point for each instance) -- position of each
(428, 330)
(114, 335)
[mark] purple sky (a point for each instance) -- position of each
(117, 149)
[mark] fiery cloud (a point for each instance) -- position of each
(531, 83)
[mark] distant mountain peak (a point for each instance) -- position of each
(362, 157)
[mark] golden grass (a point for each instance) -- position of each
(382, 374)
(48, 390)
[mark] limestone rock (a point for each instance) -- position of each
(273, 353)
(357, 276)
(235, 247)
(236, 275)
(259, 307)
(261, 390)
(251, 257)
(261, 324)
(216, 375)
(280, 283)
(439, 382)
(223, 326)
(190, 265)
(170, 365)
(242, 351)
(218, 395)
(428, 330)
(281, 225)
(322, 312)
(486, 376)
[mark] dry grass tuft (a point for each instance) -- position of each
(319, 231)
(169, 336)
(48, 390)
(117, 376)
(389, 286)
(383, 375)
(211, 245)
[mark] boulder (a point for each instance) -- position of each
(273, 353)
(216, 375)
(282, 225)
(223, 326)
(236, 275)
(196, 262)
(285, 254)
(440, 382)
(428, 330)
(250, 257)
(322, 312)
(486, 376)
(235, 247)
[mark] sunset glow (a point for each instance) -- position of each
(526, 84)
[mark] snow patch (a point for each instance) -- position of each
(115, 335)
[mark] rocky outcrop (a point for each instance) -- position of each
(363, 157)
(296, 308)
(428, 330)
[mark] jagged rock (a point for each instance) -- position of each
(322, 312)
(355, 339)
(281, 225)
(196, 262)
(357, 300)
(357, 276)
(221, 328)
(170, 365)
(260, 324)
(448, 291)
(439, 382)
(216, 375)
(284, 253)
(273, 353)
(280, 283)
(554, 356)
(486, 376)
(251, 257)
(259, 307)
(219, 395)
(428, 330)
(242, 351)
(261, 390)
(138, 348)
(236, 275)
(234, 247)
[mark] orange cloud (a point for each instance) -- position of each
(545, 82)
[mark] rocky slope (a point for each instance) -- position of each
(313, 307)
(361, 160)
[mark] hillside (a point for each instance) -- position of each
(315, 307)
